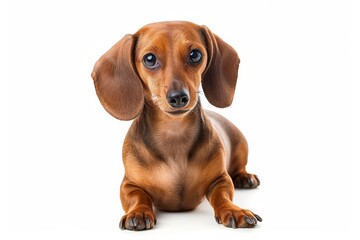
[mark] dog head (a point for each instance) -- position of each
(165, 63)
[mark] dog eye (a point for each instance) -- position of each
(150, 60)
(195, 56)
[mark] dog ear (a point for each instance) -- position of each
(116, 81)
(220, 76)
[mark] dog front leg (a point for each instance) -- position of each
(137, 205)
(220, 195)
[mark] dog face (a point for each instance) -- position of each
(170, 60)
(165, 63)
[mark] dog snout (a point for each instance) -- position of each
(178, 98)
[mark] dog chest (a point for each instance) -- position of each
(174, 186)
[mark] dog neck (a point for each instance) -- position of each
(168, 135)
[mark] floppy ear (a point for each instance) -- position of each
(220, 76)
(116, 82)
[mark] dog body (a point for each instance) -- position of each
(169, 158)
(175, 153)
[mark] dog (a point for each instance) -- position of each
(175, 153)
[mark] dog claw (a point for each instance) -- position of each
(232, 223)
(147, 222)
(133, 222)
(257, 179)
(258, 217)
(249, 220)
(122, 224)
(250, 182)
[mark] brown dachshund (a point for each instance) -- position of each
(175, 153)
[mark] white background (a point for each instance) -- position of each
(295, 103)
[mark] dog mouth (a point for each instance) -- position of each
(177, 112)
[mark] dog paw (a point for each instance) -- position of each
(245, 180)
(139, 219)
(235, 217)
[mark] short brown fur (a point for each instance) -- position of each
(175, 153)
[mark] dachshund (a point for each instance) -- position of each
(175, 153)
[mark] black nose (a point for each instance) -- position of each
(178, 98)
